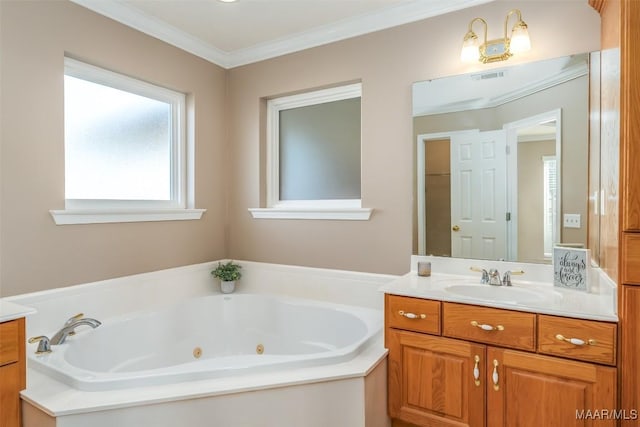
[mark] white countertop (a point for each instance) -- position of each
(12, 311)
(552, 300)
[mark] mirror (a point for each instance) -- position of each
(502, 161)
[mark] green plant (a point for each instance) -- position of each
(227, 272)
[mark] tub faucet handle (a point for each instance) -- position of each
(43, 344)
(73, 319)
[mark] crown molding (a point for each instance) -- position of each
(344, 29)
(150, 25)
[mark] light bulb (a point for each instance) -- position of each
(470, 48)
(520, 41)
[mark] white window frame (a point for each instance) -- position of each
(341, 209)
(550, 207)
(181, 205)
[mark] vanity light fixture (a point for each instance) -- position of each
(497, 49)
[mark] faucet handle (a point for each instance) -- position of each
(506, 280)
(73, 319)
(485, 275)
(43, 344)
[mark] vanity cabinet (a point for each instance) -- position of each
(486, 367)
(431, 380)
(12, 371)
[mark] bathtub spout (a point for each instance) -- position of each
(63, 333)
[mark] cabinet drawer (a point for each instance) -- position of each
(412, 314)
(587, 340)
(9, 337)
(506, 328)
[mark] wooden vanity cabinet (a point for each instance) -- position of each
(12, 371)
(470, 375)
(430, 380)
(531, 390)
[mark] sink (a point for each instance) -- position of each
(505, 294)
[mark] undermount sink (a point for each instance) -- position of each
(503, 294)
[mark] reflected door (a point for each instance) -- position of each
(478, 189)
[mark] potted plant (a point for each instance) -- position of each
(228, 274)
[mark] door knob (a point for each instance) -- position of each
(455, 228)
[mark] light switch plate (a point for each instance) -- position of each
(571, 220)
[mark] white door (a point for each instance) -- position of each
(478, 195)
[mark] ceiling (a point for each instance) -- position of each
(246, 31)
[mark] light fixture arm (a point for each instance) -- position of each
(470, 31)
(506, 21)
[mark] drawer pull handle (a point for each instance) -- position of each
(412, 315)
(575, 341)
(486, 327)
(494, 376)
(476, 370)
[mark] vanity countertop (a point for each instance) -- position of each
(11, 311)
(550, 300)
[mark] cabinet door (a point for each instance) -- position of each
(531, 390)
(10, 386)
(432, 380)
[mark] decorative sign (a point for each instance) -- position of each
(570, 268)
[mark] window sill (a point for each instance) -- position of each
(91, 216)
(350, 214)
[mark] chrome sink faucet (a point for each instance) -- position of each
(492, 277)
(485, 275)
(69, 329)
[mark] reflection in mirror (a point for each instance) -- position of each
(502, 161)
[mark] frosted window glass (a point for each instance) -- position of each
(320, 151)
(117, 144)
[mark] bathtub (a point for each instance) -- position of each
(209, 337)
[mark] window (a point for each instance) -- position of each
(313, 156)
(125, 149)
(549, 203)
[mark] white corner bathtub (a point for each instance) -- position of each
(209, 337)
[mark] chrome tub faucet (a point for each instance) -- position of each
(70, 326)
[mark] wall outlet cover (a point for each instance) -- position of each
(571, 220)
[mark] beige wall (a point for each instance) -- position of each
(387, 63)
(36, 254)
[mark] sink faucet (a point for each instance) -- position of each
(485, 276)
(494, 277)
(506, 279)
(70, 327)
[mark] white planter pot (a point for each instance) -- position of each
(227, 287)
